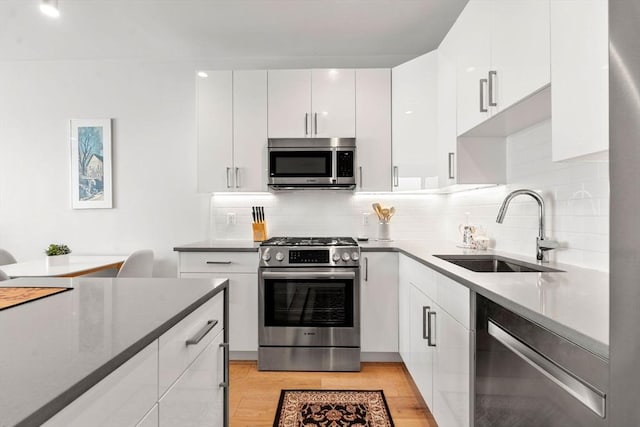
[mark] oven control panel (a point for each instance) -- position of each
(283, 256)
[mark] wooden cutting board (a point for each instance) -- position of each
(10, 297)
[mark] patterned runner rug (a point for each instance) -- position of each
(332, 408)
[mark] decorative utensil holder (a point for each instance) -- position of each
(259, 231)
(384, 232)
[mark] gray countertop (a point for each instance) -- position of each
(56, 348)
(573, 303)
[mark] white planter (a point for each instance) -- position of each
(55, 260)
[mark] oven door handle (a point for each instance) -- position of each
(309, 275)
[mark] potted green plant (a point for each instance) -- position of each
(57, 254)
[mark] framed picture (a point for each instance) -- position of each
(91, 163)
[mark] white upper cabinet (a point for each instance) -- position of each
(373, 129)
(333, 103)
(447, 125)
(289, 103)
(473, 63)
(519, 49)
(504, 57)
(414, 115)
(580, 79)
(232, 131)
(215, 131)
(250, 130)
(311, 103)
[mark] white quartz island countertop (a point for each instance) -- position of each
(573, 303)
(55, 348)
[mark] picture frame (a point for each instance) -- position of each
(91, 180)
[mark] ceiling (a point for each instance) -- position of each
(392, 30)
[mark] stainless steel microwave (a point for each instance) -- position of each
(311, 163)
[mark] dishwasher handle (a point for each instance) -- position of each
(585, 393)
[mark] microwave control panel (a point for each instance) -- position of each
(345, 164)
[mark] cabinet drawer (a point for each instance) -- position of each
(120, 399)
(204, 262)
(175, 354)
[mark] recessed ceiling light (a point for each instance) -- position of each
(202, 74)
(50, 8)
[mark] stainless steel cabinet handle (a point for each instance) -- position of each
(451, 157)
(425, 328)
(306, 124)
(202, 332)
(228, 184)
(366, 269)
(431, 341)
(315, 123)
(360, 171)
(225, 361)
(237, 180)
(483, 83)
(219, 262)
(492, 88)
(395, 176)
(586, 394)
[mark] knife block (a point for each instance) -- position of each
(259, 231)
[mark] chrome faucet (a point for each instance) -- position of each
(542, 244)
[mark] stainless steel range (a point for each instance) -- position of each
(309, 304)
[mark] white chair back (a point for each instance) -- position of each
(3, 276)
(6, 257)
(138, 264)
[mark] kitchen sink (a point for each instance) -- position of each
(494, 264)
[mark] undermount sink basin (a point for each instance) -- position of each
(494, 264)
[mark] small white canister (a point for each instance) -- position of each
(384, 230)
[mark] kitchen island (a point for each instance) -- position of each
(57, 350)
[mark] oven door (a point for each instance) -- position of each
(296, 166)
(313, 307)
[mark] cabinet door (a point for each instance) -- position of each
(243, 308)
(414, 107)
(373, 129)
(451, 371)
(447, 131)
(404, 314)
(250, 130)
(120, 399)
(333, 100)
(473, 62)
(379, 293)
(519, 49)
(580, 78)
(421, 354)
(289, 100)
(215, 131)
(196, 398)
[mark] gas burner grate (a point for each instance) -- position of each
(310, 241)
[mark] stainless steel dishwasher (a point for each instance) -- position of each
(527, 376)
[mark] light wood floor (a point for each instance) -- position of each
(254, 395)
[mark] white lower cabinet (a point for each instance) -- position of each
(379, 302)
(241, 268)
(120, 399)
(451, 371)
(435, 340)
(196, 398)
(421, 354)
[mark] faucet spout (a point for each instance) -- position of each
(542, 244)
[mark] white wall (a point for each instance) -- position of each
(154, 157)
